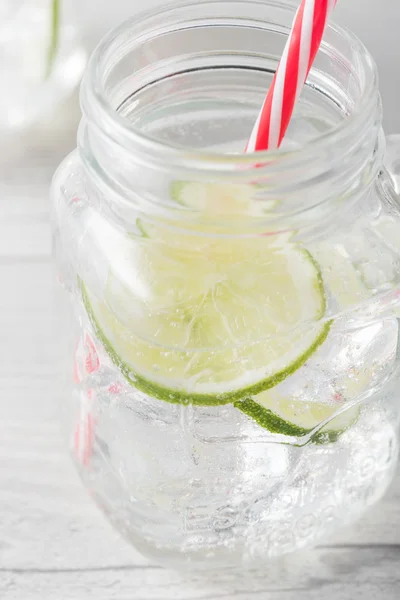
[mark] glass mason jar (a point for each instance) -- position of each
(231, 379)
(41, 58)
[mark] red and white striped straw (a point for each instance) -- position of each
(295, 64)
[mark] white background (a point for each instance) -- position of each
(376, 22)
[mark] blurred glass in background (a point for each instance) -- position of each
(41, 59)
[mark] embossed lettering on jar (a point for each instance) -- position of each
(231, 373)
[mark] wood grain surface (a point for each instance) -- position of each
(54, 544)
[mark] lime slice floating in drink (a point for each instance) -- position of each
(213, 200)
(298, 418)
(209, 320)
(279, 413)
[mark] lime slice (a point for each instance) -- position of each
(193, 248)
(298, 418)
(210, 326)
(342, 281)
(216, 199)
(55, 34)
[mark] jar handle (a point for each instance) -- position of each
(392, 161)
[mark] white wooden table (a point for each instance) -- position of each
(54, 544)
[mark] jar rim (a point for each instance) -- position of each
(125, 133)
